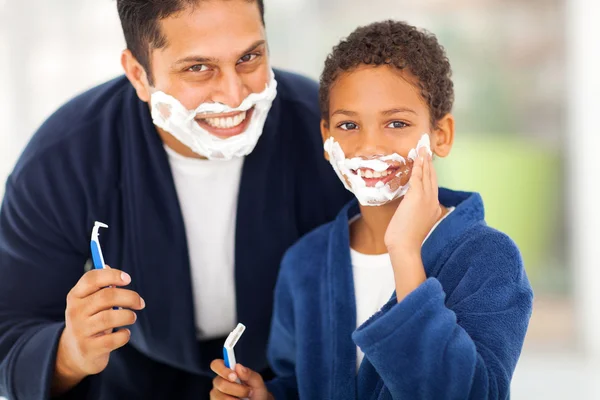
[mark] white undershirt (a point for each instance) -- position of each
(374, 282)
(208, 197)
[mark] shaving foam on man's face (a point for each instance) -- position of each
(376, 180)
(239, 128)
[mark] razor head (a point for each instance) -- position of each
(234, 336)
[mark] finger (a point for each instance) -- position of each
(218, 367)
(96, 279)
(108, 320)
(433, 175)
(216, 395)
(107, 343)
(250, 377)
(416, 175)
(231, 388)
(108, 298)
(424, 155)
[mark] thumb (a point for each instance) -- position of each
(250, 377)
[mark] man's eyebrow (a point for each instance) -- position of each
(203, 59)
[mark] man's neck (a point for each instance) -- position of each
(176, 145)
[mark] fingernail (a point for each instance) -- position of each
(244, 369)
(232, 377)
(142, 302)
(125, 277)
(250, 394)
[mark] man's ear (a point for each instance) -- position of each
(443, 137)
(325, 134)
(136, 74)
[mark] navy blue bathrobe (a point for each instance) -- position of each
(100, 158)
(457, 336)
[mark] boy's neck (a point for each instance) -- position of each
(368, 232)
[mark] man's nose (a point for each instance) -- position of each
(231, 89)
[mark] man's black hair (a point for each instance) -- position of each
(140, 22)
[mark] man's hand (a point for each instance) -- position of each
(225, 386)
(88, 339)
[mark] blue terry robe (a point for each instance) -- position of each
(457, 336)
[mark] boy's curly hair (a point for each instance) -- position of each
(400, 45)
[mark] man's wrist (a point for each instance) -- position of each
(65, 376)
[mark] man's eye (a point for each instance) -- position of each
(198, 68)
(397, 125)
(247, 58)
(348, 126)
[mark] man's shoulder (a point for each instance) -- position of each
(79, 125)
(298, 89)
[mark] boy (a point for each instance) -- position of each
(460, 299)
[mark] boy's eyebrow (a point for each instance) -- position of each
(398, 110)
(344, 112)
(201, 59)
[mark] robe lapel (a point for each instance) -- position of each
(342, 308)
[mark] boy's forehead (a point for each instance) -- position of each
(375, 87)
(212, 29)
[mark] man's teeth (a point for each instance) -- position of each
(226, 122)
(368, 173)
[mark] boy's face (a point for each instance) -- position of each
(377, 111)
(216, 52)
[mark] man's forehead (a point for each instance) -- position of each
(214, 30)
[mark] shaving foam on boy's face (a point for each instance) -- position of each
(376, 180)
(242, 126)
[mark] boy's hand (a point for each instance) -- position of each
(416, 215)
(419, 210)
(225, 386)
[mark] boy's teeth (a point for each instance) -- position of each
(377, 174)
(369, 174)
(226, 122)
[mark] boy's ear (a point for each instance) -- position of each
(444, 136)
(325, 134)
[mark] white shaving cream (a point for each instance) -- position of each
(380, 193)
(169, 114)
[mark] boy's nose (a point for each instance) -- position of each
(371, 144)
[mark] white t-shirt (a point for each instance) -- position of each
(374, 283)
(208, 197)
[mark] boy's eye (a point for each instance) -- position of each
(247, 58)
(348, 126)
(198, 68)
(397, 125)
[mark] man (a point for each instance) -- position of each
(200, 204)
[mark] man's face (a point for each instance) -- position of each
(215, 52)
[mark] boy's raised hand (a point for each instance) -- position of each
(225, 386)
(419, 210)
(413, 220)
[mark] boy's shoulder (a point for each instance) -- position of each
(311, 249)
(486, 251)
